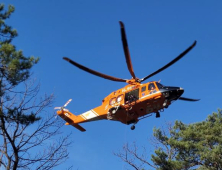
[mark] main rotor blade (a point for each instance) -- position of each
(126, 50)
(94, 72)
(170, 63)
(188, 99)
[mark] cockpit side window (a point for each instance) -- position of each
(151, 86)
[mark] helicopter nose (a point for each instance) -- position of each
(176, 93)
(173, 93)
(179, 92)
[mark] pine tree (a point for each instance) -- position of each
(20, 110)
(181, 147)
(14, 68)
(195, 145)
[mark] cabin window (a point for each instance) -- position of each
(112, 101)
(152, 88)
(132, 96)
(119, 98)
(143, 89)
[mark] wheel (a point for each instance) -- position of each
(133, 127)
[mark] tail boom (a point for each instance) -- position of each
(97, 113)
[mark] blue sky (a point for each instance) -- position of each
(89, 33)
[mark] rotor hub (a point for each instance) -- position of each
(133, 81)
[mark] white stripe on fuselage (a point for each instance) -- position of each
(89, 115)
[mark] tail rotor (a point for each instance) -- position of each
(64, 106)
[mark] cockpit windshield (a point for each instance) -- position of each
(160, 86)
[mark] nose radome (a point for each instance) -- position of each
(180, 91)
(172, 93)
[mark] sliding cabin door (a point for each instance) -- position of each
(132, 96)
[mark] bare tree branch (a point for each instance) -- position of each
(20, 139)
(132, 157)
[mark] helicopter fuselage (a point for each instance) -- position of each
(129, 104)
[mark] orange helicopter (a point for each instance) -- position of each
(131, 103)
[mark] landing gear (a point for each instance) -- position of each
(133, 127)
(157, 114)
(132, 122)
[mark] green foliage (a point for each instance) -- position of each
(6, 32)
(14, 69)
(193, 146)
(15, 114)
(24, 146)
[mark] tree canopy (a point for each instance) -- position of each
(194, 145)
(14, 67)
(28, 139)
(182, 147)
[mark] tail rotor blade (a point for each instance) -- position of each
(57, 108)
(67, 102)
(60, 108)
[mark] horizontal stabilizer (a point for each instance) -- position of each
(70, 119)
(77, 126)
